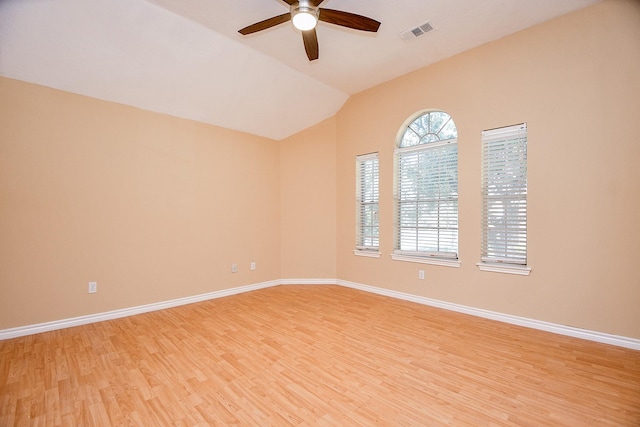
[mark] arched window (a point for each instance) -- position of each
(426, 190)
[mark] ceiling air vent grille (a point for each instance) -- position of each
(413, 33)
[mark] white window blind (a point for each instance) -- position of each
(367, 190)
(427, 188)
(504, 195)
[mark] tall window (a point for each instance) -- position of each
(367, 229)
(426, 191)
(504, 199)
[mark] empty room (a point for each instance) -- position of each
(319, 213)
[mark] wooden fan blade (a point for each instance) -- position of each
(267, 23)
(349, 20)
(291, 2)
(310, 39)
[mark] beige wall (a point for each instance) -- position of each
(156, 208)
(151, 207)
(308, 183)
(576, 82)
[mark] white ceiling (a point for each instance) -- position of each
(185, 57)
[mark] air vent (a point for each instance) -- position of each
(418, 31)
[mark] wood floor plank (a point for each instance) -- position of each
(313, 355)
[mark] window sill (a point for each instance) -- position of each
(370, 254)
(504, 268)
(427, 260)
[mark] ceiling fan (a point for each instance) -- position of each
(305, 14)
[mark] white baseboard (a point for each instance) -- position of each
(115, 314)
(308, 282)
(616, 340)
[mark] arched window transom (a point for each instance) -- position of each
(427, 128)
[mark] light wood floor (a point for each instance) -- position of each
(313, 355)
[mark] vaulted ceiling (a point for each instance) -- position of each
(185, 57)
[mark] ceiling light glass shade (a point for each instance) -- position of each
(304, 18)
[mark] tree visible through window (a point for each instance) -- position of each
(427, 188)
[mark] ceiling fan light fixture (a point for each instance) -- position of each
(304, 18)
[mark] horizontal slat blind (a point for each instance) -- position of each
(504, 195)
(428, 199)
(367, 195)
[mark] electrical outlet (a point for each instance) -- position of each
(253, 265)
(234, 268)
(421, 274)
(93, 287)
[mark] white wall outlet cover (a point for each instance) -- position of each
(93, 287)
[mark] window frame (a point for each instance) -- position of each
(504, 200)
(371, 203)
(427, 147)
